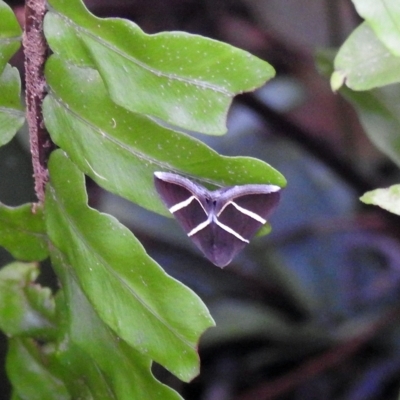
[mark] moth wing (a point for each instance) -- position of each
(219, 246)
(246, 208)
(241, 212)
(238, 213)
(176, 190)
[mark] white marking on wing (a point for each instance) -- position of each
(182, 204)
(247, 212)
(229, 230)
(200, 227)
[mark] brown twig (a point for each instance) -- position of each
(35, 48)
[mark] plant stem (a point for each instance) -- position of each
(35, 49)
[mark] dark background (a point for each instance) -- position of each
(312, 310)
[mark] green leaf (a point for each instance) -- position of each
(378, 114)
(10, 34)
(25, 308)
(388, 198)
(185, 80)
(12, 115)
(29, 373)
(383, 16)
(23, 233)
(127, 375)
(264, 230)
(151, 311)
(376, 109)
(363, 62)
(121, 150)
(81, 375)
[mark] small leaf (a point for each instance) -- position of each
(383, 16)
(185, 80)
(379, 117)
(23, 232)
(12, 115)
(363, 62)
(121, 150)
(127, 375)
(338, 78)
(30, 376)
(151, 311)
(264, 230)
(25, 307)
(388, 198)
(10, 34)
(376, 109)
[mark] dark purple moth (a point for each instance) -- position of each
(220, 222)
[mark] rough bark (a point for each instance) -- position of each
(36, 49)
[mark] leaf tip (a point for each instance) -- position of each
(337, 80)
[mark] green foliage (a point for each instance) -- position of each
(388, 198)
(384, 18)
(23, 233)
(11, 111)
(25, 309)
(10, 34)
(117, 276)
(30, 371)
(370, 59)
(91, 349)
(116, 101)
(185, 80)
(370, 56)
(363, 51)
(115, 148)
(378, 113)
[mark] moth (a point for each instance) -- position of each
(221, 222)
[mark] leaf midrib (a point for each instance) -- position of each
(191, 81)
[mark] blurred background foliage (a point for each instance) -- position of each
(312, 310)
